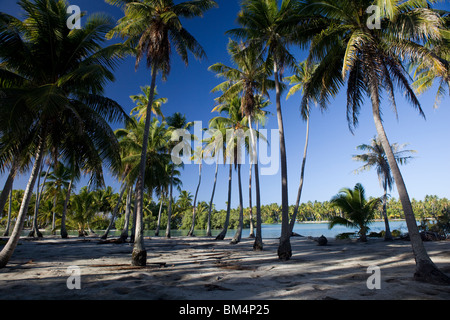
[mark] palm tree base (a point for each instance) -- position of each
(426, 271)
(258, 244)
(139, 258)
(284, 250)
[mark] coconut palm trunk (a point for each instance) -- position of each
(258, 244)
(64, 233)
(387, 234)
(194, 210)
(7, 187)
(223, 233)
(302, 174)
(10, 246)
(124, 234)
(284, 248)
(169, 209)
(158, 224)
(116, 209)
(208, 228)
(250, 212)
(35, 229)
(237, 236)
(53, 231)
(426, 270)
(8, 222)
(139, 255)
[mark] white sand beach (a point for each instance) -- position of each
(197, 268)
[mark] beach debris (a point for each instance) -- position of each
(321, 241)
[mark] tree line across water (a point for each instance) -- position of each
(92, 211)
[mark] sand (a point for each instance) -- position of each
(197, 268)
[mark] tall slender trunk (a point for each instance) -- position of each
(139, 255)
(158, 224)
(124, 234)
(169, 209)
(54, 215)
(223, 233)
(64, 213)
(426, 270)
(208, 228)
(284, 248)
(302, 174)
(8, 186)
(387, 232)
(8, 223)
(194, 210)
(250, 212)
(258, 244)
(237, 236)
(116, 209)
(10, 246)
(35, 229)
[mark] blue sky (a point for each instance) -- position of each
(329, 164)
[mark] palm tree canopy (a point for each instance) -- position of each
(375, 157)
(52, 81)
(153, 27)
(368, 60)
(358, 211)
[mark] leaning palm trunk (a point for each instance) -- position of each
(169, 209)
(208, 228)
(250, 212)
(302, 174)
(194, 210)
(387, 233)
(8, 223)
(158, 224)
(7, 187)
(223, 233)
(54, 216)
(139, 255)
(284, 248)
(124, 234)
(10, 246)
(116, 209)
(426, 270)
(35, 228)
(237, 236)
(39, 193)
(64, 213)
(258, 244)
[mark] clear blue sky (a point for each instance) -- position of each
(329, 164)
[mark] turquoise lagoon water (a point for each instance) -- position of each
(269, 230)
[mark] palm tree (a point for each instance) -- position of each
(271, 27)
(249, 77)
(198, 158)
(176, 122)
(141, 101)
(55, 84)
(215, 146)
(153, 28)
(357, 210)
(57, 180)
(375, 157)
(368, 61)
(425, 75)
(298, 81)
(237, 122)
